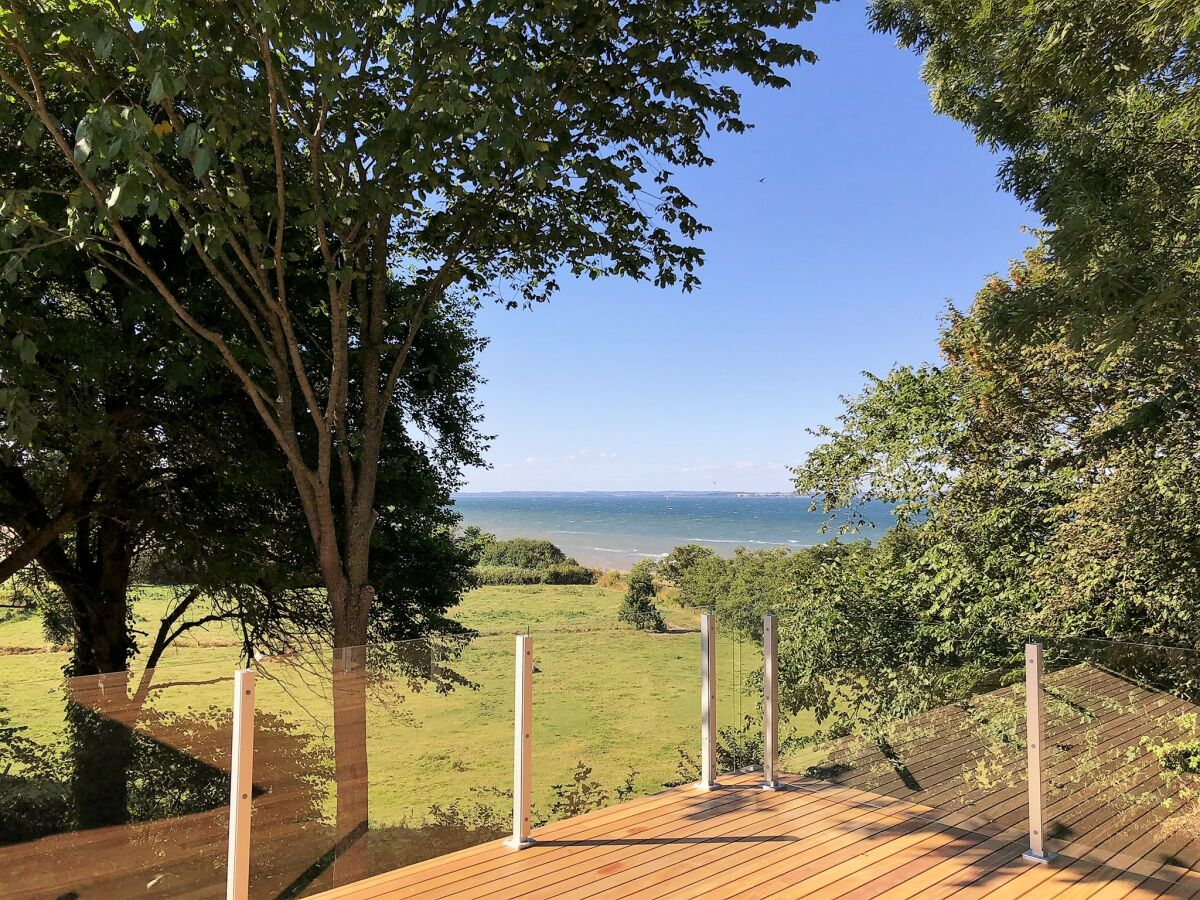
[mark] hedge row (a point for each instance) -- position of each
(558, 574)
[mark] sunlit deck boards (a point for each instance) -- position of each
(810, 840)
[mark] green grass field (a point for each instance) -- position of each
(613, 698)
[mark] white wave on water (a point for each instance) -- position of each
(633, 552)
(736, 541)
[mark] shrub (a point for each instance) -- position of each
(570, 573)
(676, 565)
(637, 607)
(613, 578)
(583, 795)
(476, 541)
(738, 748)
(494, 575)
(565, 573)
(523, 553)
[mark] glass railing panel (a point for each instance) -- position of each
(294, 797)
(371, 759)
(440, 749)
(1123, 756)
(739, 699)
(928, 723)
(118, 784)
(616, 715)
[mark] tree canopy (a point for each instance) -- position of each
(382, 155)
(1091, 103)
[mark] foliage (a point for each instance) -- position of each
(340, 170)
(741, 589)
(34, 797)
(1089, 347)
(556, 574)
(104, 406)
(583, 794)
(673, 568)
(637, 607)
(1026, 503)
(105, 459)
(1091, 103)
(522, 561)
(738, 747)
(475, 541)
(1041, 508)
(458, 824)
(613, 578)
(522, 553)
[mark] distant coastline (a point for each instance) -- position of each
(790, 494)
(615, 529)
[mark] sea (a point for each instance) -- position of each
(613, 530)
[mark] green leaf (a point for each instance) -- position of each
(26, 348)
(32, 135)
(158, 90)
(96, 278)
(201, 162)
(187, 140)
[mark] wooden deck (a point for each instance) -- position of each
(1107, 793)
(812, 839)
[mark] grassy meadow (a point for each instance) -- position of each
(620, 701)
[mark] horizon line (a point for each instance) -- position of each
(461, 493)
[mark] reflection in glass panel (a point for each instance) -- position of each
(899, 710)
(1123, 741)
(373, 758)
(117, 784)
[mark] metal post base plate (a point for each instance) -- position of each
(707, 785)
(772, 786)
(1038, 857)
(514, 844)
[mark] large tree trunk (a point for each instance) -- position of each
(96, 587)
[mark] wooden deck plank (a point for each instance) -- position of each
(932, 882)
(494, 853)
(902, 875)
(615, 858)
(804, 814)
(815, 840)
(701, 875)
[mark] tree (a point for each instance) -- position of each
(1090, 100)
(637, 606)
(174, 465)
(103, 400)
(1026, 502)
(524, 553)
(395, 152)
(339, 169)
(104, 455)
(674, 567)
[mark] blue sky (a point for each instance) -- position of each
(872, 214)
